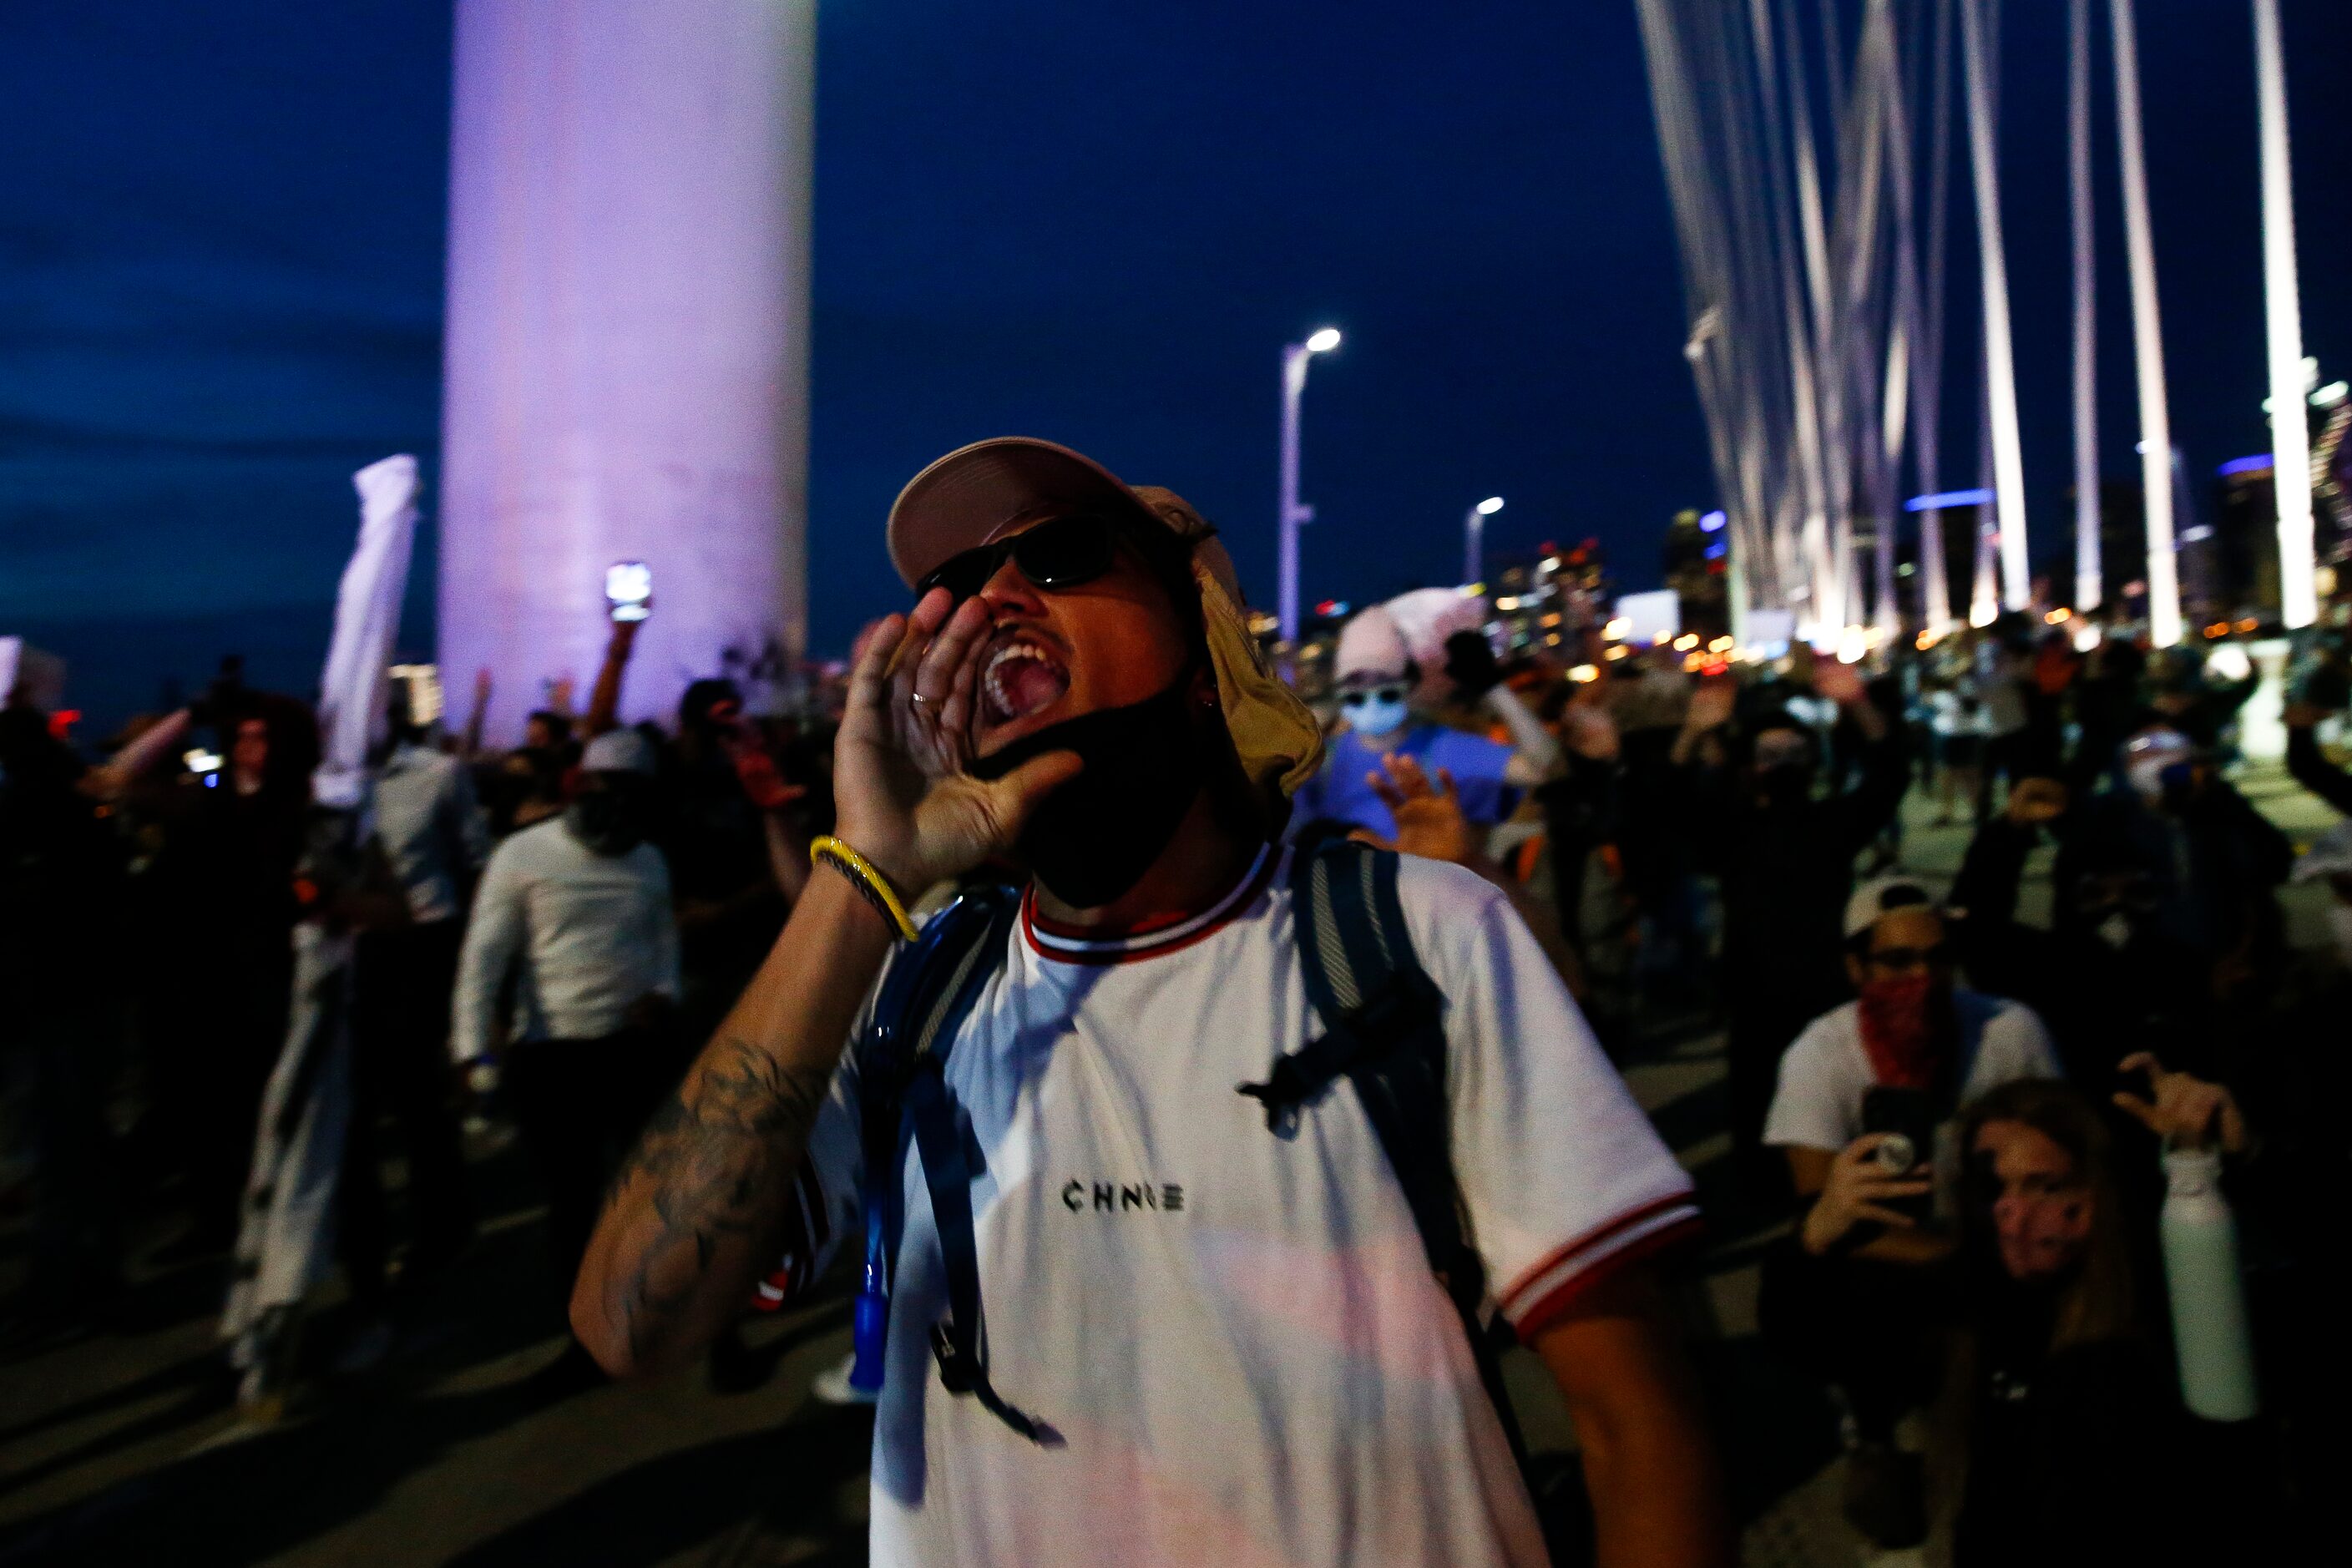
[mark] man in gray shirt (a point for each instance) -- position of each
(434, 837)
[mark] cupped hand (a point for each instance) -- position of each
(1856, 1193)
(903, 799)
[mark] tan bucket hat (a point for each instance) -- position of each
(973, 493)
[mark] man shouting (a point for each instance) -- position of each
(1212, 1334)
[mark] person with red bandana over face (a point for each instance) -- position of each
(1864, 1114)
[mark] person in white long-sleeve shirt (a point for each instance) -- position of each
(593, 929)
(577, 909)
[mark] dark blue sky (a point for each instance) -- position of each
(221, 233)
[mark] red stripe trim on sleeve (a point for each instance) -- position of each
(1509, 1298)
(806, 1227)
(1556, 1304)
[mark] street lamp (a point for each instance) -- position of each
(1474, 538)
(1292, 515)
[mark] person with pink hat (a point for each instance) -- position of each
(1386, 689)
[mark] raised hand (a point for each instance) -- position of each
(902, 796)
(2033, 803)
(2186, 1108)
(1711, 704)
(1470, 664)
(1590, 732)
(1839, 683)
(1429, 817)
(763, 781)
(1856, 1193)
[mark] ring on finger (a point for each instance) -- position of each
(919, 699)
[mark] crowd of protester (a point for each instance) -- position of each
(566, 921)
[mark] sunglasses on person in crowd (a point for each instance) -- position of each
(1902, 958)
(1373, 694)
(1058, 554)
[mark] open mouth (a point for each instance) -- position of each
(1022, 676)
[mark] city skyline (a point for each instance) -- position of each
(223, 286)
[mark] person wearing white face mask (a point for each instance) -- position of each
(1381, 684)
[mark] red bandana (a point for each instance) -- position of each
(1904, 1048)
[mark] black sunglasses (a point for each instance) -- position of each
(1377, 693)
(1902, 958)
(1059, 553)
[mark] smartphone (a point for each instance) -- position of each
(426, 702)
(1908, 1120)
(629, 590)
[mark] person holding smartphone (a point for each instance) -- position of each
(1865, 1113)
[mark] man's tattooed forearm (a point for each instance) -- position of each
(715, 1165)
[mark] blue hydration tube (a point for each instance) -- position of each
(870, 1319)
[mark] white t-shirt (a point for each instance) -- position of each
(1956, 715)
(1826, 1071)
(1237, 1334)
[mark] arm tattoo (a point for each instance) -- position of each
(718, 1159)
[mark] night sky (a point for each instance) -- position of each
(221, 233)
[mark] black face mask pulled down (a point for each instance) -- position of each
(1092, 838)
(610, 821)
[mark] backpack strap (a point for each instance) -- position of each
(960, 1344)
(1384, 1031)
(902, 1059)
(927, 989)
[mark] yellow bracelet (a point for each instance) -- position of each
(870, 883)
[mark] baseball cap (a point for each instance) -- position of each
(2147, 755)
(1883, 897)
(965, 498)
(1372, 650)
(975, 492)
(618, 752)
